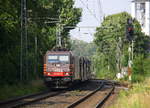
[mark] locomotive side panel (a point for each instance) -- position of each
(85, 72)
(89, 69)
(85, 69)
(77, 68)
(82, 68)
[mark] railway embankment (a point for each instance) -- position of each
(21, 89)
(136, 97)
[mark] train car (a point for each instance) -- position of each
(62, 68)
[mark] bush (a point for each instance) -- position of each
(141, 68)
(7, 91)
(147, 66)
(138, 78)
(138, 69)
(138, 65)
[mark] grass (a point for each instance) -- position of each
(10, 91)
(137, 97)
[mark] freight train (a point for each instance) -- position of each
(62, 68)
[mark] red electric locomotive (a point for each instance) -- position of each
(62, 68)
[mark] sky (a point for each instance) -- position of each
(93, 11)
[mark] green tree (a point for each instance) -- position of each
(112, 49)
(82, 48)
(39, 13)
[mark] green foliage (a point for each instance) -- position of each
(138, 65)
(39, 12)
(21, 89)
(147, 66)
(137, 78)
(140, 68)
(81, 48)
(110, 38)
(102, 66)
(135, 97)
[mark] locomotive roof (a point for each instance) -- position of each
(59, 52)
(140, 0)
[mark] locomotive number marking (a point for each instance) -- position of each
(60, 73)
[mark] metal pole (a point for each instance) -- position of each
(129, 50)
(119, 45)
(21, 49)
(132, 50)
(26, 39)
(59, 35)
(24, 44)
(120, 55)
(35, 64)
(130, 61)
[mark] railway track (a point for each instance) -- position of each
(24, 100)
(65, 99)
(95, 99)
(76, 97)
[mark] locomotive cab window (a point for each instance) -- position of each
(52, 58)
(64, 58)
(58, 58)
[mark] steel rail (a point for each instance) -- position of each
(25, 100)
(101, 103)
(21, 97)
(20, 101)
(85, 97)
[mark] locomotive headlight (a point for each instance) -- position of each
(66, 73)
(48, 73)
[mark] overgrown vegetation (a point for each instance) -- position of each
(140, 68)
(136, 97)
(112, 53)
(20, 89)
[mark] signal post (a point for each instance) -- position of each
(129, 37)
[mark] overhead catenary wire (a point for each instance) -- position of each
(100, 10)
(80, 27)
(90, 11)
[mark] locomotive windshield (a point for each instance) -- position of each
(58, 58)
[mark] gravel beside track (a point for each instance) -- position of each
(65, 99)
